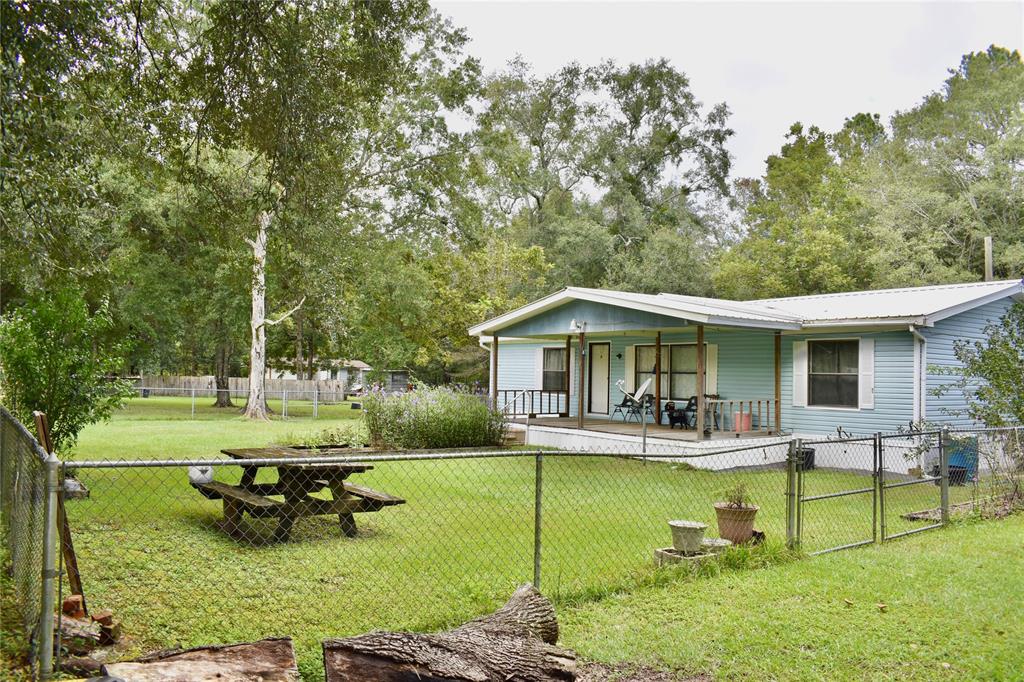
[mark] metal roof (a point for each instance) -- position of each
(709, 311)
(920, 305)
(913, 305)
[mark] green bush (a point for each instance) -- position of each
(56, 356)
(432, 418)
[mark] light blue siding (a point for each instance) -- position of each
(894, 389)
(967, 326)
(745, 364)
(599, 317)
(516, 363)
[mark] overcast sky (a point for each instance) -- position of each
(773, 63)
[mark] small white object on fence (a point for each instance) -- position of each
(200, 474)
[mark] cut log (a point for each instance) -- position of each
(268, 660)
(516, 642)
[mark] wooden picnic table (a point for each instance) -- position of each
(296, 484)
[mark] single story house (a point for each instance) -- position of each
(351, 373)
(862, 361)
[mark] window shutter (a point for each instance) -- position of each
(799, 374)
(866, 367)
(711, 369)
(630, 372)
(538, 368)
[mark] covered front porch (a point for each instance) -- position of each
(573, 361)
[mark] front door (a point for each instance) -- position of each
(600, 356)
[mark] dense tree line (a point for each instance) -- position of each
(232, 182)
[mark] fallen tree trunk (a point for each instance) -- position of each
(516, 642)
(268, 660)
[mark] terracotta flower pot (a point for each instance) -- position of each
(735, 524)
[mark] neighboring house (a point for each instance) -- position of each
(862, 361)
(351, 372)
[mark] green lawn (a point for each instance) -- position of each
(162, 427)
(158, 408)
(952, 611)
(150, 547)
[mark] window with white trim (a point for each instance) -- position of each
(678, 369)
(833, 373)
(554, 372)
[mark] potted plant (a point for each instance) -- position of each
(736, 515)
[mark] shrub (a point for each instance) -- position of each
(57, 356)
(432, 418)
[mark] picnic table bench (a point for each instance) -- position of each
(296, 484)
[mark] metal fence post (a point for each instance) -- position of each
(49, 577)
(880, 484)
(538, 485)
(284, 403)
(193, 403)
(643, 433)
(316, 400)
(943, 476)
(792, 541)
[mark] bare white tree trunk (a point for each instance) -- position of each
(256, 407)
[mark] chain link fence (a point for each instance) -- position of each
(198, 403)
(328, 542)
(24, 501)
(859, 490)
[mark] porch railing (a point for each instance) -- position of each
(531, 402)
(740, 416)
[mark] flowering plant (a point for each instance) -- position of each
(431, 418)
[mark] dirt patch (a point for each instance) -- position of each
(998, 507)
(936, 513)
(598, 672)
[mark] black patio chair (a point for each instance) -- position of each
(689, 413)
(621, 408)
(642, 410)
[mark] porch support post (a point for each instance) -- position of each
(657, 379)
(494, 371)
(568, 374)
(583, 374)
(778, 382)
(701, 382)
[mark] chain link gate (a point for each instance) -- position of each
(881, 478)
(913, 483)
(827, 471)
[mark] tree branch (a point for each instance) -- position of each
(271, 323)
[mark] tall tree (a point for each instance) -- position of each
(805, 229)
(67, 106)
(953, 174)
(294, 84)
(865, 208)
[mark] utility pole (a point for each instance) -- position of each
(988, 259)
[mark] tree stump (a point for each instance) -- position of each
(516, 642)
